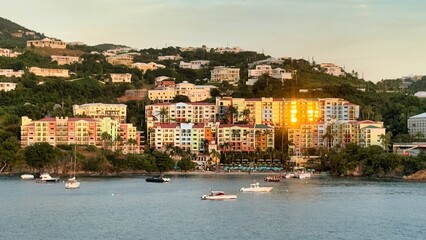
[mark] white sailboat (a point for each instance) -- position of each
(72, 182)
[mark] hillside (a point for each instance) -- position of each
(108, 46)
(14, 35)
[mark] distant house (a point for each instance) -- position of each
(121, 77)
(64, 60)
(47, 43)
(332, 69)
(122, 59)
(11, 73)
(197, 64)
(48, 72)
(228, 49)
(169, 57)
(164, 80)
(147, 66)
(7, 86)
(420, 94)
(225, 74)
(4, 52)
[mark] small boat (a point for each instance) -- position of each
(218, 195)
(273, 178)
(72, 182)
(158, 179)
(46, 178)
(27, 176)
(254, 187)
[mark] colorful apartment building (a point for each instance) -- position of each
(193, 112)
(81, 131)
(65, 60)
(197, 137)
(225, 74)
(244, 137)
(187, 136)
(11, 73)
(336, 134)
(101, 110)
(47, 43)
(284, 112)
(121, 77)
(49, 72)
(7, 86)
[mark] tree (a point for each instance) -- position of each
(186, 164)
(214, 92)
(39, 155)
(181, 98)
(8, 152)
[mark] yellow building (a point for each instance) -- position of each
(47, 43)
(101, 110)
(225, 74)
(49, 72)
(64, 60)
(121, 77)
(7, 86)
(81, 131)
(147, 66)
(122, 59)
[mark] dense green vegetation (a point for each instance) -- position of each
(37, 97)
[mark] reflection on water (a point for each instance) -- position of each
(321, 207)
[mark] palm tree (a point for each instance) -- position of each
(106, 139)
(246, 114)
(214, 157)
(163, 115)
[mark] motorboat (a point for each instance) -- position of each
(158, 179)
(218, 195)
(72, 183)
(254, 187)
(45, 178)
(304, 175)
(273, 178)
(27, 176)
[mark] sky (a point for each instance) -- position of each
(379, 39)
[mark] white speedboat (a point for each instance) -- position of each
(45, 177)
(72, 183)
(254, 187)
(27, 176)
(218, 195)
(304, 175)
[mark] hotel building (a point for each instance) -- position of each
(101, 110)
(224, 74)
(80, 131)
(47, 43)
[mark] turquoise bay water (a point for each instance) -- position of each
(129, 208)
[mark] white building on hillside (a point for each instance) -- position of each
(225, 74)
(417, 124)
(332, 69)
(7, 86)
(121, 77)
(197, 64)
(4, 52)
(47, 43)
(169, 57)
(11, 73)
(63, 60)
